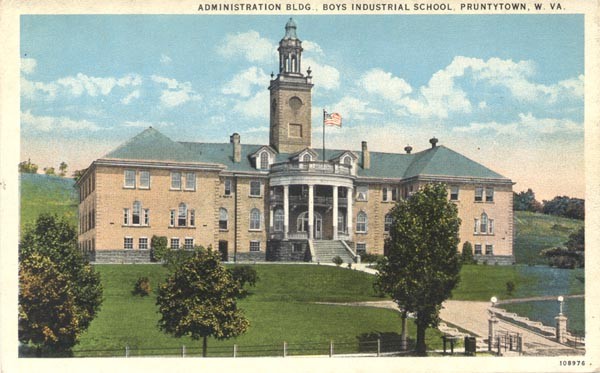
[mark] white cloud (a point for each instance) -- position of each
(165, 60)
(130, 97)
(177, 93)
(385, 84)
(95, 86)
(311, 47)
(242, 83)
(28, 65)
(145, 124)
(256, 107)
(324, 76)
(352, 109)
(526, 123)
(48, 123)
(32, 90)
(248, 44)
(482, 105)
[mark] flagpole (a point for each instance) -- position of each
(324, 113)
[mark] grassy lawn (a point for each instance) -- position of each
(280, 308)
(47, 194)
(535, 232)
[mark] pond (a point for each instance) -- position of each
(545, 311)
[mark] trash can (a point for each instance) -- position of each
(470, 346)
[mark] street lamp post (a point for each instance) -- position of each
(561, 322)
(492, 323)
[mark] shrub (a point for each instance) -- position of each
(142, 287)
(467, 253)
(510, 287)
(370, 258)
(337, 260)
(158, 248)
(244, 275)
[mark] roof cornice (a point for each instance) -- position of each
(160, 164)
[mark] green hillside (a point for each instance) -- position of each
(535, 232)
(53, 194)
(47, 194)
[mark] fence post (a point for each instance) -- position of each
(378, 347)
(234, 350)
(183, 351)
(498, 341)
(126, 350)
(284, 348)
(331, 348)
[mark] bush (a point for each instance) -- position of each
(370, 258)
(244, 275)
(337, 260)
(466, 255)
(510, 287)
(158, 248)
(142, 287)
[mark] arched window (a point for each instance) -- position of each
(484, 223)
(306, 158)
(278, 220)
(137, 210)
(302, 222)
(223, 218)
(264, 161)
(347, 161)
(182, 215)
(255, 219)
(387, 225)
(361, 222)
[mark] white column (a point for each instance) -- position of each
(270, 218)
(286, 210)
(311, 212)
(335, 212)
(350, 195)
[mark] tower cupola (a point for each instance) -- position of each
(290, 51)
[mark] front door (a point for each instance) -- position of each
(223, 250)
(318, 227)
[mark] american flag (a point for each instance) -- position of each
(333, 119)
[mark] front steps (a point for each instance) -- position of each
(325, 251)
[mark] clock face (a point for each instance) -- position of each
(295, 103)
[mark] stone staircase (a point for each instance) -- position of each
(325, 251)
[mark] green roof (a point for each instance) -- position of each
(440, 161)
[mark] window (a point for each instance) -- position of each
(477, 249)
(143, 243)
(489, 249)
(188, 243)
(128, 243)
(175, 243)
(190, 181)
(125, 216)
(227, 187)
(306, 158)
(144, 179)
(384, 193)
(129, 179)
(361, 248)
(491, 226)
(254, 245)
(255, 188)
(489, 194)
(484, 224)
(278, 220)
(264, 160)
(347, 161)
(137, 210)
(478, 194)
(476, 227)
(394, 194)
(362, 193)
(254, 219)
(172, 221)
(182, 215)
(341, 227)
(223, 219)
(454, 193)
(387, 225)
(176, 180)
(192, 218)
(146, 216)
(302, 222)
(361, 222)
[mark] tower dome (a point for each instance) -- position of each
(290, 30)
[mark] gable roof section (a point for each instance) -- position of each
(151, 145)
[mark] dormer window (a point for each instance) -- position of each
(264, 161)
(347, 161)
(306, 158)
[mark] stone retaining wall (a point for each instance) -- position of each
(495, 259)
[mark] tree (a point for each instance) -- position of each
(76, 175)
(423, 264)
(199, 300)
(570, 256)
(567, 207)
(55, 240)
(27, 167)
(525, 201)
(49, 171)
(244, 275)
(63, 169)
(466, 255)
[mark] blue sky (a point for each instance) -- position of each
(505, 90)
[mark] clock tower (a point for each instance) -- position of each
(290, 97)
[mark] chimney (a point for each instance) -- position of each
(237, 148)
(366, 157)
(408, 149)
(433, 141)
